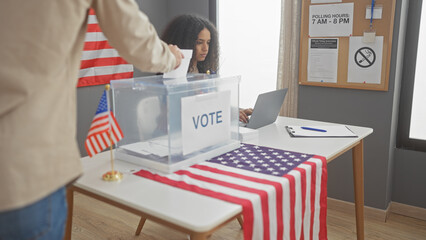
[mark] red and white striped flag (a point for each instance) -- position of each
(100, 63)
(283, 194)
(98, 137)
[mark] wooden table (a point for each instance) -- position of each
(186, 211)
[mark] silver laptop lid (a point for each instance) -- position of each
(267, 108)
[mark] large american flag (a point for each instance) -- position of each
(98, 137)
(100, 63)
(283, 194)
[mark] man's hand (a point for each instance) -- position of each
(178, 54)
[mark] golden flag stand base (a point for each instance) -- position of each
(112, 176)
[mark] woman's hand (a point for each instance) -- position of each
(244, 113)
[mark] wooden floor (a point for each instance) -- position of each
(97, 220)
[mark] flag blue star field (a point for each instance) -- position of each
(262, 159)
(99, 137)
(283, 194)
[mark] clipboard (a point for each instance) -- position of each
(326, 131)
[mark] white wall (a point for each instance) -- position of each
(249, 41)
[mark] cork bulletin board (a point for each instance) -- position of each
(333, 49)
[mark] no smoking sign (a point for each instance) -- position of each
(365, 57)
(365, 60)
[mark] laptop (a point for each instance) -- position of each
(266, 109)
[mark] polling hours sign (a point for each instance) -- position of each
(331, 20)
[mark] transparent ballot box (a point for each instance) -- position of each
(169, 124)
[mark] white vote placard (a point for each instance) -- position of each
(331, 20)
(206, 120)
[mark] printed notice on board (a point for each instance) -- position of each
(331, 20)
(365, 60)
(322, 59)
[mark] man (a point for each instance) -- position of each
(40, 47)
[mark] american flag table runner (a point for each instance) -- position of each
(283, 194)
(100, 62)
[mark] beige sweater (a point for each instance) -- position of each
(40, 48)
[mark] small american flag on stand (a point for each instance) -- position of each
(99, 137)
(100, 63)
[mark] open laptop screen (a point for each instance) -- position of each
(267, 108)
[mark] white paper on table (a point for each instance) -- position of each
(365, 60)
(182, 70)
(158, 147)
(322, 59)
(325, 1)
(331, 20)
(138, 147)
(248, 133)
(206, 120)
(330, 131)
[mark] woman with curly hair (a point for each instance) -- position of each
(190, 31)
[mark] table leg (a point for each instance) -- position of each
(140, 226)
(240, 220)
(199, 236)
(70, 202)
(358, 170)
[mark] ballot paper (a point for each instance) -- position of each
(182, 70)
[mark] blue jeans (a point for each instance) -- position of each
(44, 219)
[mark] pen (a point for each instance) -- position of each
(314, 129)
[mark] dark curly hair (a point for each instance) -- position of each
(183, 31)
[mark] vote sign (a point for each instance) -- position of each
(206, 120)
